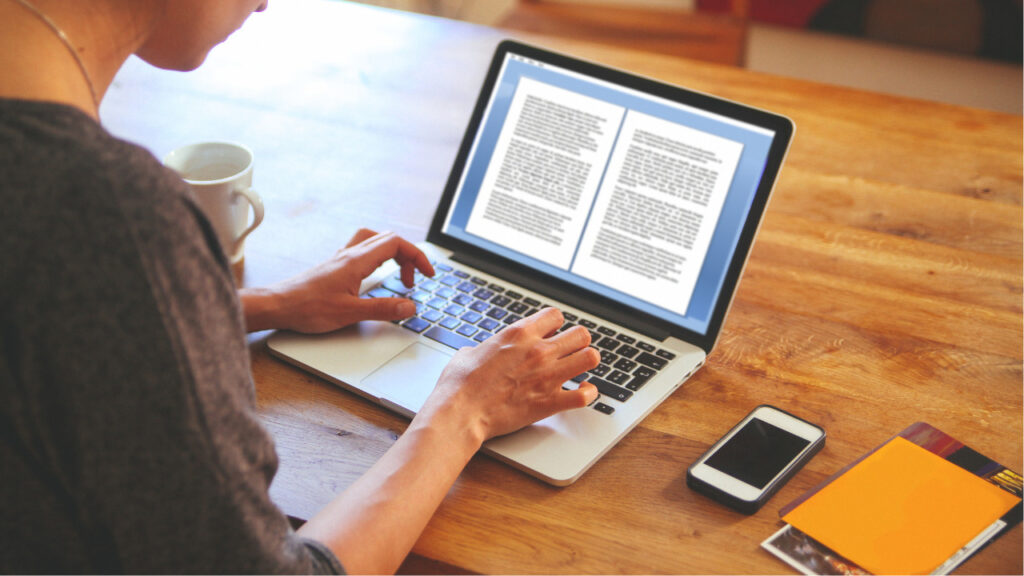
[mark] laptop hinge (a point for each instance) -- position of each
(576, 299)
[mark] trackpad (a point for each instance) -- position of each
(408, 379)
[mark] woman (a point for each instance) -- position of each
(127, 429)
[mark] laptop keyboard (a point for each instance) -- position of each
(459, 309)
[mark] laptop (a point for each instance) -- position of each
(629, 204)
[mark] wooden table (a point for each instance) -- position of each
(884, 287)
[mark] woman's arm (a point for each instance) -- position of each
(508, 382)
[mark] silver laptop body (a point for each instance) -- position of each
(628, 204)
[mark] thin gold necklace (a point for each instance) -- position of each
(67, 43)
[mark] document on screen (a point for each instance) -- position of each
(657, 210)
(545, 170)
(622, 198)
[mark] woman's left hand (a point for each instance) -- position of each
(326, 297)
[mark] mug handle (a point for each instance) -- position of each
(257, 212)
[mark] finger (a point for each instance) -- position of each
(382, 247)
(575, 364)
(419, 262)
(544, 322)
(578, 398)
(382, 309)
(570, 341)
(360, 236)
(386, 246)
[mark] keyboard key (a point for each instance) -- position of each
(617, 377)
(416, 324)
(466, 330)
(449, 280)
(500, 300)
(608, 358)
(531, 302)
(455, 310)
(431, 315)
(483, 294)
(603, 408)
(479, 306)
(497, 313)
(643, 372)
(569, 316)
(651, 360)
(666, 354)
(637, 382)
(627, 351)
(512, 319)
(626, 339)
(445, 292)
(467, 287)
(396, 286)
(380, 293)
(460, 273)
(496, 288)
(588, 324)
(625, 365)
(610, 390)
(513, 295)
(442, 267)
(580, 378)
(478, 281)
(421, 296)
(482, 335)
(450, 323)
(471, 317)
(606, 331)
(437, 303)
(489, 324)
(429, 285)
(645, 346)
(463, 299)
(447, 338)
(609, 344)
(517, 307)
(601, 370)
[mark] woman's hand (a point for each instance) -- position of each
(326, 297)
(515, 378)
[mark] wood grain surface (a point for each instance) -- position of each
(884, 288)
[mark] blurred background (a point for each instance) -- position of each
(965, 52)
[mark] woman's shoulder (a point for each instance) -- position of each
(71, 186)
(50, 148)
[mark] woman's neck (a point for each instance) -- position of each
(36, 63)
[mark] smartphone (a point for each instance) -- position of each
(756, 458)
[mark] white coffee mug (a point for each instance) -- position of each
(220, 174)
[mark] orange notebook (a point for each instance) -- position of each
(901, 510)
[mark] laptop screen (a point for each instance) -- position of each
(626, 194)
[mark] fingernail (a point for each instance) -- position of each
(591, 395)
(404, 309)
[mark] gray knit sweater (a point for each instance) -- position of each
(128, 439)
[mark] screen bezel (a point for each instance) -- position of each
(738, 488)
(585, 299)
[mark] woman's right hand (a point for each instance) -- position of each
(511, 380)
(515, 377)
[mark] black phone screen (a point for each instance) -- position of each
(757, 453)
